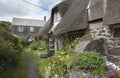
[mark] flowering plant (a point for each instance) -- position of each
(113, 71)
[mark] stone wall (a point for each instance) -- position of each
(26, 31)
(80, 74)
(98, 30)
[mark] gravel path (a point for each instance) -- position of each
(31, 72)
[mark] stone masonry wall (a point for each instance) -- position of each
(26, 31)
(98, 30)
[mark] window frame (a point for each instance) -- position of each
(57, 17)
(20, 29)
(31, 29)
(115, 32)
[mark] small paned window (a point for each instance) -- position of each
(57, 16)
(31, 29)
(20, 29)
(116, 32)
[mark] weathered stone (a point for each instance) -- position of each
(118, 38)
(43, 55)
(110, 43)
(118, 43)
(99, 34)
(114, 51)
(114, 58)
(98, 45)
(104, 35)
(1, 69)
(81, 46)
(80, 74)
(103, 31)
(41, 49)
(108, 35)
(108, 32)
(114, 39)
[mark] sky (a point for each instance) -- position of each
(10, 9)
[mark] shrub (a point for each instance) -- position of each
(90, 61)
(5, 25)
(35, 45)
(24, 41)
(8, 36)
(9, 54)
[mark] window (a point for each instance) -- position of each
(76, 34)
(116, 32)
(57, 16)
(20, 29)
(31, 29)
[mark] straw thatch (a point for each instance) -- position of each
(96, 10)
(75, 18)
(112, 12)
(62, 8)
(46, 28)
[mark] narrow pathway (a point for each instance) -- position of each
(31, 71)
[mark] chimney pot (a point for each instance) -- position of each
(45, 18)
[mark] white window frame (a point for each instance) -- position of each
(31, 29)
(20, 29)
(57, 17)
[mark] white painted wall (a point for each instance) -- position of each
(58, 44)
(56, 20)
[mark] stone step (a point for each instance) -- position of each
(114, 51)
(43, 55)
(114, 58)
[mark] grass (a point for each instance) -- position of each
(18, 72)
(39, 62)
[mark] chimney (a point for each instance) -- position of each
(45, 18)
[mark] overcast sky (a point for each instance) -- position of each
(22, 9)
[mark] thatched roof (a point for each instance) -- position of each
(96, 9)
(62, 8)
(75, 18)
(112, 12)
(46, 28)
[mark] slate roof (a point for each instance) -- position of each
(27, 22)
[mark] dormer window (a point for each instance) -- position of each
(56, 20)
(57, 17)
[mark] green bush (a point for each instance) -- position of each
(91, 62)
(35, 45)
(9, 54)
(5, 25)
(8, 36)
(24, 41)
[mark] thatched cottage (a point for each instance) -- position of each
(27, 27)
(57, 15)
(99, 18)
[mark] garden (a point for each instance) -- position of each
(12, 59)
(89, 64)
